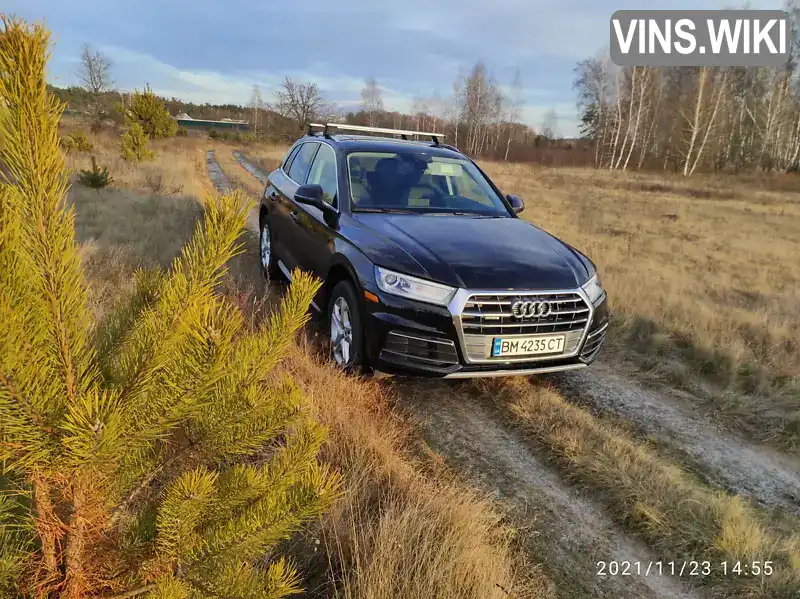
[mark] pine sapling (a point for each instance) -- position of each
(135, 144)
(152, 454)
(149, 111)
(97, 178)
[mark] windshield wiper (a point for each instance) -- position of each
(460, 213)
(392, 210)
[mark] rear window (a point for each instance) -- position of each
(298, 169)
(288, 160)
(420, 182)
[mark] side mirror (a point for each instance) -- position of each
(310, 195)
(516, 203)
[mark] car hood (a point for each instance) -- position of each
(473, 252)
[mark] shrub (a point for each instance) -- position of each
(155, 183)
(148, 111)
(214, 133)
(152, 454)
(78, 141)
(134, 144)
(97, 178)
(181, 131)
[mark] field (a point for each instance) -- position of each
(681, 444)
(703, 278)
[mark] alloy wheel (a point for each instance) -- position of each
(266, 247)
(341, 332)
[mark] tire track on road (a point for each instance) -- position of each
(215, 173)
(724, 458)
(571, 531)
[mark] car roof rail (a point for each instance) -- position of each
(359, 128)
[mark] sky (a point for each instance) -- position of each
(214, 51)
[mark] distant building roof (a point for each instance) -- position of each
(228, 121)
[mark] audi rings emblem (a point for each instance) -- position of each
(529, 309)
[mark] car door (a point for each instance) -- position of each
(286, 213)
(277, 211)
(315, 237)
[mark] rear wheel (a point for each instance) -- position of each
(344, 319)
(269, 264)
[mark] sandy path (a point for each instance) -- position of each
(559, 524)
(725, 459)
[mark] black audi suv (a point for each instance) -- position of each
(427, 268)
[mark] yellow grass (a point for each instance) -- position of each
(178, 168)
(680, 517)
(267, 157)
(398, 531)
(702, 275)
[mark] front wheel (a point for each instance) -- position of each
(269, 264)
(344, 318)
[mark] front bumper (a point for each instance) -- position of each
(414, 338)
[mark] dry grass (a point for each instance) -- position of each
(702, 275)
(177, 170)
(143, 218)
(398, 531)
(680, 517)
(267, 157)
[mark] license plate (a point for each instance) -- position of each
(528, 346)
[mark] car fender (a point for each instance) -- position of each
(359, 268)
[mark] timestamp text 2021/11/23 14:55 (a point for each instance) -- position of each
(685, 568)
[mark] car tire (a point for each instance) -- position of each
(345, 328)
(269, 263)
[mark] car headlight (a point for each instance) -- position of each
(594, 289)
(413, 288)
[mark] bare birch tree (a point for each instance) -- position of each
(299, 102)
(372, 101)
(257, 105)
(514, 110)
(95, 71)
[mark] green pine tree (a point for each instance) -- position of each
(134, 144)
(151, 455)
(150, 112)
(97, 178)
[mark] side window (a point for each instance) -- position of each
(302, 160)
(323, 173)
(288, 161)
(467, 187)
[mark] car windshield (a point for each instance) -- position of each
(419, 182)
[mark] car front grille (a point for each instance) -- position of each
(488, 314)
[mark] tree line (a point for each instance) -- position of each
(479, 115)
(688, 119)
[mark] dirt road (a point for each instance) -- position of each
(559, 525)
(672, 419)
